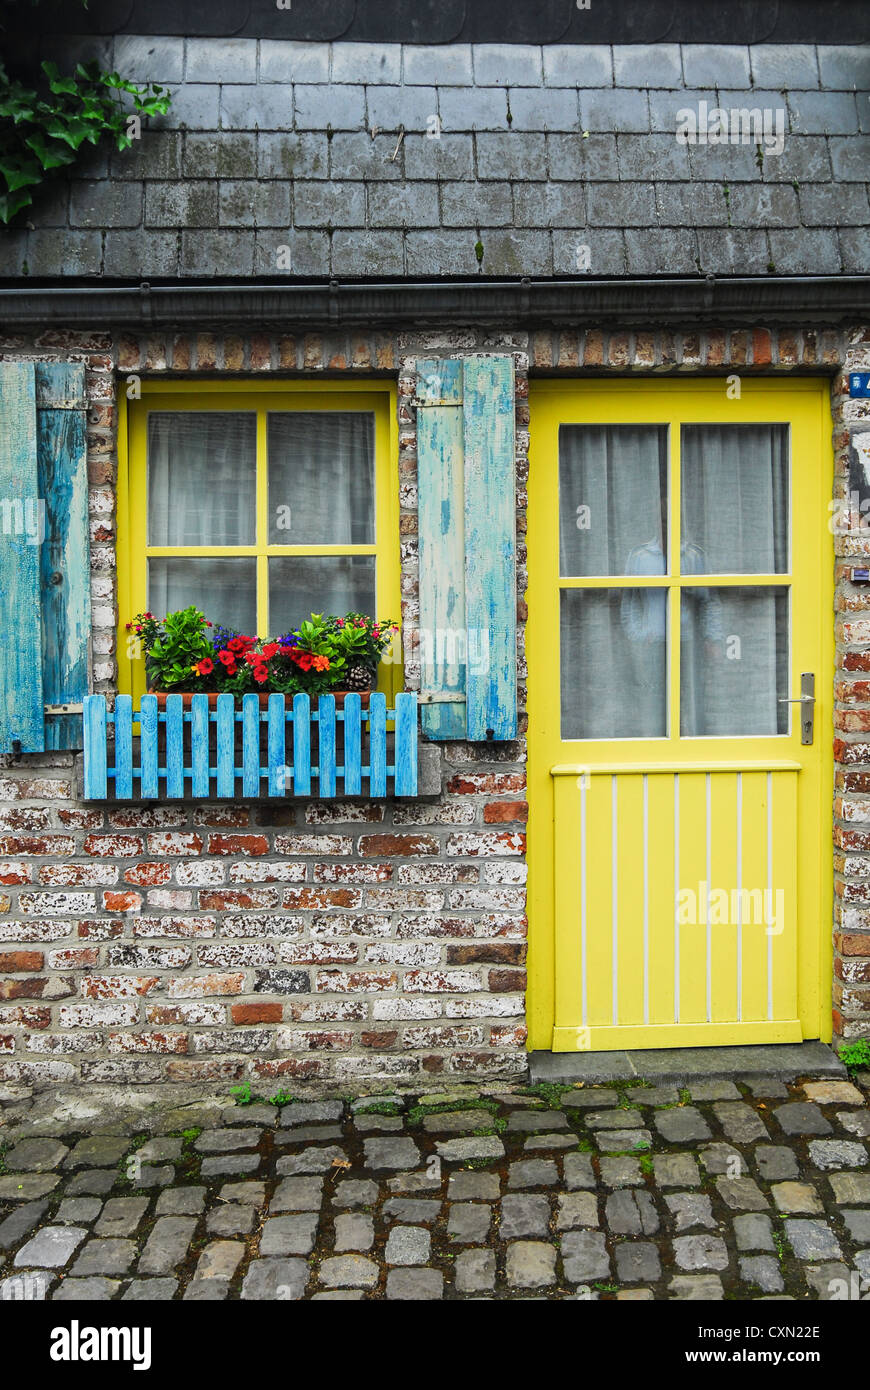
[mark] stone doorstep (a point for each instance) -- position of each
(785, 1061)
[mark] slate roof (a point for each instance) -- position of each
(326, 150)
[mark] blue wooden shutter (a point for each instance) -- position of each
(467, 530)
(44, 561)
(21, 718)
(66, 566)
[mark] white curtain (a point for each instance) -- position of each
(733, 642)
(300, 585)
(202, 491)
(321, 478)
(735, 520)
(202, 478)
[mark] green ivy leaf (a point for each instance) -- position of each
(11, 203)
(49, 156)
(20, 175)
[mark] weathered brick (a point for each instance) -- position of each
(192, 986)
(55, 904)
(309, 1040)
(491, 843)
(313, 844)
(148, 875)
(122, 902)
(96, 1015)
(163, 1043)
(256, 1013)
(380, 845)
(59, 845)
(78, 875)
(320, 952)
(201, 1012)
(441, 982)
(175, 842)
(488, 953)
(114, 846)
(82, 958)
(355, 981)
(237, 898)
(306, 898)
(238, 844)
(500, 811)
(17, 962)
(25, 1016)
(505, 981)
(229, 954)
(15, 871)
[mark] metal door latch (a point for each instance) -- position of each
(807, 702)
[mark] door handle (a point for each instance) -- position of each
(807, 702)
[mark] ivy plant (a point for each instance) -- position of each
(41, 133)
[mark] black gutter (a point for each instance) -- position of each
(798, 299)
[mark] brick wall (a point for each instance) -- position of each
(852, 706)
(348, 940)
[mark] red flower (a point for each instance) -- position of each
(205, 667)
(241, 644)
(260, 674)
(227, 658)
(271, 649)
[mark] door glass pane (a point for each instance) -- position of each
(321, 478)
(612, 499)
(225, 590)
(734, 661)
(614, 663)
(201, 477)
(300, 585)
(735, 499)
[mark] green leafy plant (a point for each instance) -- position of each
(176, 648)
(242, 1093)
(41, 133)
(281, 1097)
(855, 1055)
(185, 652)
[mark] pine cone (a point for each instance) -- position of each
(358, 678)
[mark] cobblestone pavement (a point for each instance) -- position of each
(626, 1191)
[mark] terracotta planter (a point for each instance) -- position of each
(187, 698)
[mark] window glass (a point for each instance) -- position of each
(202, 478)
(321, 478)
(612, 499)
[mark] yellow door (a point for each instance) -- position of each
(680, 606)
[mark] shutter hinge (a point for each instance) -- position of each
(441, 698)
(63, 709)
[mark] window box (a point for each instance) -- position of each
(216, 749)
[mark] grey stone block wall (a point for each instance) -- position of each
(371, 160)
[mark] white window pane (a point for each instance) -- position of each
(202, 477)
(734, 661)
(735, 499)
(614, 663)
(300, 585)
(321, 478)
(225, 590)
(612, 499)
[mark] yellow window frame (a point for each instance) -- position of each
(258, 397)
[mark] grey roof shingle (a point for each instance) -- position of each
(374, 160)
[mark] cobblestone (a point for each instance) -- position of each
(732, 1196)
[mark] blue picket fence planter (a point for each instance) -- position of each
(194, 752)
